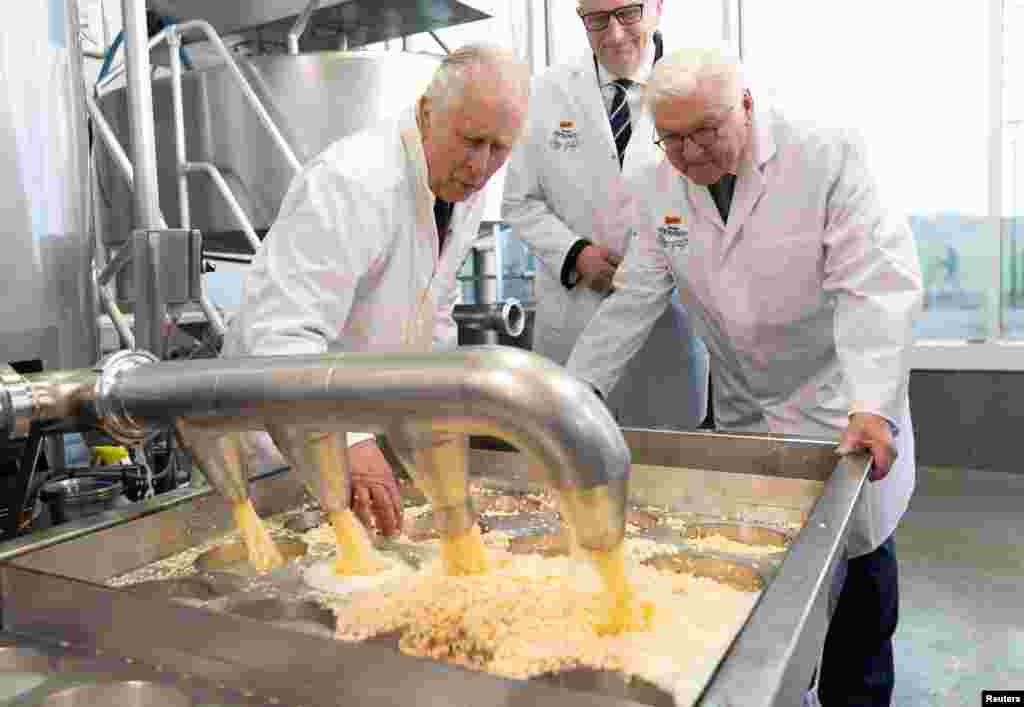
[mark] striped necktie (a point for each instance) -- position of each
(619, 116)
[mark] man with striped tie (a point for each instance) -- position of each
(566, 197)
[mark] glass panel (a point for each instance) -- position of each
(1013, 169)
(682, 23)
(920, 99)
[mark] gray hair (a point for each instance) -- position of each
(686, 72)
(457, 68)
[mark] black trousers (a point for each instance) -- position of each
(857, 663)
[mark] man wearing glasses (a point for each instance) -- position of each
(804, 286)
(566, 197)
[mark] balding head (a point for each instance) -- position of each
(471, 114)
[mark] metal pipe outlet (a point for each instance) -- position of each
(506, 317)
(508, 393)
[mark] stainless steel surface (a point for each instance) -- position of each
(178, 117)
(304, 614)
(150, 311)
(110, 371)
(47, 311)
(299, 28)
(119, 694)
(83, 287)
(124, 167)
(367, 21)
(612, 684)
(350, 92)
(779, 642)
(79, 497)
(19, 408)
(775, 654)
(174, 262)
(253, 101)
(146, 199)
(233, 558)
(199, 588)
(222, 188)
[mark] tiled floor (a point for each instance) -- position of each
(961, 554)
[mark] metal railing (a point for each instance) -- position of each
(173, 35)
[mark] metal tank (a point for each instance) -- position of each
(314, 99)
(47, 313)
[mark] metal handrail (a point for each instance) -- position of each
(222, 186)
(124, 256)
(247, 90)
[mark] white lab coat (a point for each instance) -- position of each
(352, 262)
(564, 183)
(805, 299)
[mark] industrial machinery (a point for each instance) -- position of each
(191, 167)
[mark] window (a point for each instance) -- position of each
(919, 95)
(1013, 169)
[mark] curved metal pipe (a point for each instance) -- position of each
(509, 393)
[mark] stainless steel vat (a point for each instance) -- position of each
(52, 583)
(314, 99)
(46, 310)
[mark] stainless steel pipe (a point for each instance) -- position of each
(506, 317)
(518, 396)
(505, 392)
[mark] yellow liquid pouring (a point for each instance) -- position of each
(464, 554)
(356, 555)
(621, 611)
(263, 553)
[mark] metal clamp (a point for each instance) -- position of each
(17, 404)
(111, 418)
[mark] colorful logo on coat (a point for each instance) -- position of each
(673, 233)
(565, 136)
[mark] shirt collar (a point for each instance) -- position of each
(641, 76)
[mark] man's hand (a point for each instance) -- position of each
(873, 434)
(375, 498)
(596, 267)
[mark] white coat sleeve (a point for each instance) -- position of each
(525, 204)
(298, 294)
(873, 272)
(620, 327)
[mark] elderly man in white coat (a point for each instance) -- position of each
(804, 286)
(566, 196)
(371, 235)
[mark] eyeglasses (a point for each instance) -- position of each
(702, 137)
(626, 15)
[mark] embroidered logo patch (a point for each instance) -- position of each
(674, 232)
(565, 137)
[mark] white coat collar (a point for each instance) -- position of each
(750, 180)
